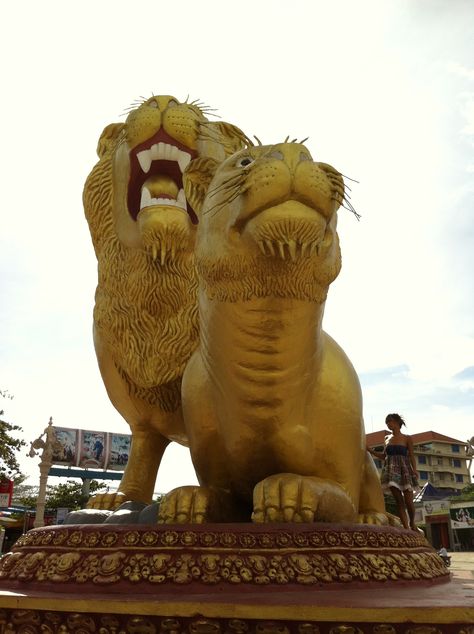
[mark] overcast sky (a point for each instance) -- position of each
(385, 92)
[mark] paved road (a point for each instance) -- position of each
(462, 566)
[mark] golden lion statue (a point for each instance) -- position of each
(272, 405)
(143, 230)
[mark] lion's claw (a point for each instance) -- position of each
(185, 505)
(287, 497)
(107, 501)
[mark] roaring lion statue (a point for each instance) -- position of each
(272, 405)
(143, 230)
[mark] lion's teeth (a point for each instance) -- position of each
(144, 158)
(164, 152)
(181, 200)
(183, 160)
(281, 249)
(270, 248)
(145, 200)
(292, 249)
(163, 254)
(261, 246)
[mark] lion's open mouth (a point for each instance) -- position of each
(156, 175)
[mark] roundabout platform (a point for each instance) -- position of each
(229, 579)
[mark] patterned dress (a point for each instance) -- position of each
(397, 470)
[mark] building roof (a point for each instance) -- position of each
(378, 437)
(429, 492)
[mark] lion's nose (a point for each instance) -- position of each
(163, 102)
(292, 153)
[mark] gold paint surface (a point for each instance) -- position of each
(145, 315)
(272, 405)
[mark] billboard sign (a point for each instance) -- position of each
(435, 507)
(462, 517)
(6, 492)
(91, 449)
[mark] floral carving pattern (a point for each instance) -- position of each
(157, 556)
(33, 621)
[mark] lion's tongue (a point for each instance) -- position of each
(161, 190)
(161, 186)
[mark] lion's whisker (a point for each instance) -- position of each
(349, 178)
(230, 182)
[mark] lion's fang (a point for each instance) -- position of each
(163, 152)
(270, 248)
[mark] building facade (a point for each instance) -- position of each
(440, 460)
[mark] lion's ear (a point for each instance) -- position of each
(218, 140)
(196, 180)
(232, 137)
(108, 138)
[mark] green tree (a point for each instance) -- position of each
(9, 446)
(466, 495)
(69, 494)
(25, 494)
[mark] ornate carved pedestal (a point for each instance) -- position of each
(229, 579)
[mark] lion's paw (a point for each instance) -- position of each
(287, 497)
(394, 520)
(107, 501)
(373, 517)
(185, 505)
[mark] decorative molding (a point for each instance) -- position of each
(48, 622)
(145, 558)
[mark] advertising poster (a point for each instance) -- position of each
(65, 452)
(92, 449)
(119, 451)
(462, 517)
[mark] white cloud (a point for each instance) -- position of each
(382, 89)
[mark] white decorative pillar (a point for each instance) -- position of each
(47, 445)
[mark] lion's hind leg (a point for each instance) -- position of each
(196, 505)
(138, 482)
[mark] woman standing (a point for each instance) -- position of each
(399, 472)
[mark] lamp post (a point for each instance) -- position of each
(47, 445)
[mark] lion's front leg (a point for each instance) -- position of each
(287, 497)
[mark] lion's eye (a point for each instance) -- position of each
(244, 161)
(172, 103)
(153, 104)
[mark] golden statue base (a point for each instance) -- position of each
(229, 579)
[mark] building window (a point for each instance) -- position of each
(423, 475)
(456, 462)
(421, 459)
(440, 461)
(455, 448)
(459, 477)
(441, 476)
